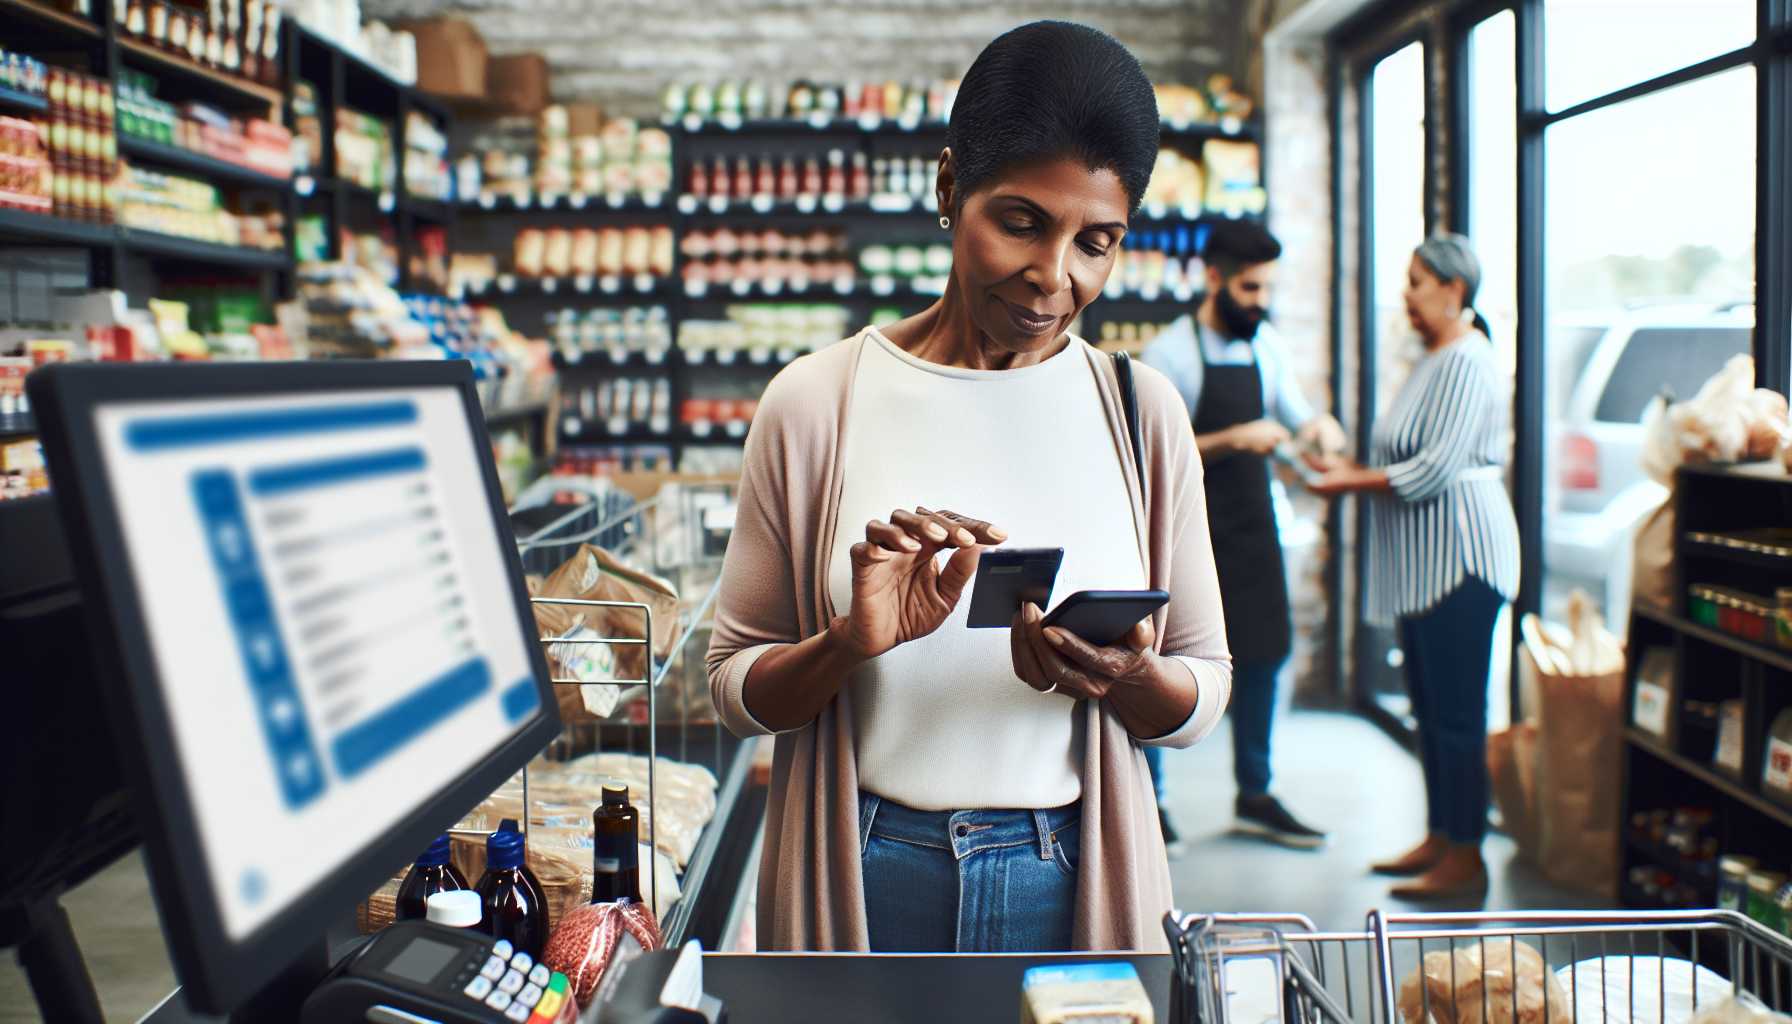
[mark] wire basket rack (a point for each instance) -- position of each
(1658, 967)
(666, 535)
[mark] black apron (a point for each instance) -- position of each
(1247, 547)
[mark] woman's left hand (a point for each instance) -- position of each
(1057, 661)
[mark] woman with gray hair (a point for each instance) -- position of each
(1443, 554)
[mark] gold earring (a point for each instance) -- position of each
(945, 223)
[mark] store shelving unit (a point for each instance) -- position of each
(1711, 665)
(345, 81)
(186, 161)
(883, 220)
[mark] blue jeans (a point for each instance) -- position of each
(1447, 651)
(1253, 711)
(968, 881)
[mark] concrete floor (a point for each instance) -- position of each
(1338, 771)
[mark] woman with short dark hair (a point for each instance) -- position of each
(935, 787)
(1443, 555)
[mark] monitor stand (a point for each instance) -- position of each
(52, 961)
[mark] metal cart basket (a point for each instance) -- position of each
(1659, 967)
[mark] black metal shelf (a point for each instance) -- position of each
(26, 226)
(599, 435)
(221, 87)
(17, 425)
(893, 208)
(815, 125)
(67, 26)
(1778, 659)
(211, 168)
(15, 100)
(581, 289)
(155, 244)
(602, 361)
(1702, 874)
(571, 204)
(437, 210)
(1732, 788)
(513, 413)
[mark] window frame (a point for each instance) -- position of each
(1382, 28)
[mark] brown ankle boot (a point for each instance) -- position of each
(1459, 875)
(1416, 861)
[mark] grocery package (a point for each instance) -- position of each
(1069, 993)
(186, 207)
(1578, 676)
(80, 145)
(1499, 982)
(586, 941)
(730, 103)
(364, 154)
(25, 176)
(1738, 1009)
(1729, 420)
(250, 142)
(1651, 989)
(1234, 177)
(594, 574)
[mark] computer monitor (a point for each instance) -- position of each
(304, 591)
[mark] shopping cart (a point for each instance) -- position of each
(1658, 967)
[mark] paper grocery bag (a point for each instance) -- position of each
(593, 574)
(1652, 559)
(1512, 767)
(1579, 736)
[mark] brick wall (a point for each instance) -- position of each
(623, 53)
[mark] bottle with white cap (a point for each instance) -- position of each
(458, 908)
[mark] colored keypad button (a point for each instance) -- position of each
(511, 983)
(502, 949)
(493, 969)
(539, 976)
(479, 987)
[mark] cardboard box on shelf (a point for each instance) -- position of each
(584, 119)
(451, 58)
(518, 84)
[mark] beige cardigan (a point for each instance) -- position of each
(774, 591)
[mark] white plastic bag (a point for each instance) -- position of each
(1642, 990)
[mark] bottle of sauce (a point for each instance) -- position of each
(432, 873)
(514, 905)
(615, 856)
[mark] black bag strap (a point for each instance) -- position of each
(1129, 401)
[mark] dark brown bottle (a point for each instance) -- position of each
(515, 906)
(615, 855)
(431, 874)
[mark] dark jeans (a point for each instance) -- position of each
(1253, 711)
(1447, 652)
(968, 881)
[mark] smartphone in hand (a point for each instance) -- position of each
(1104, 617)
(1009, 577)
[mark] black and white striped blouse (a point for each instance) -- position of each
(1442, 443)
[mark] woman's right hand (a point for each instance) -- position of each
(899, 591)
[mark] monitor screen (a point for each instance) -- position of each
(329, 613)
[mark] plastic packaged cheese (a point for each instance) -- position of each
(1083, 994)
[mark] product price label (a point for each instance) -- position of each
(687, 205)
(759, 355)
(772, 286)
(696, 289)
(616, 200)
(1650, 711)
(718, 204)
(741, 286)
(805, 204)
(729, 122)
(693, 123)
(387, 202)
(304, 185)
(578, 200)
(870, 122)
(1156, 210)
(583, 283)
(643, 283)
(610, 284)
(488, 200)
(550, 285)
(883, 284)
(818, 121)
(908, 122)
(507, 283)
(762, 204)
(1779, 766)
(549, 200)
(652, 200)
(834, 202)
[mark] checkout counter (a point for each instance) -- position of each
(288, 725)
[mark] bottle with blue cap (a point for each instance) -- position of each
(432, 873)
(514, 904)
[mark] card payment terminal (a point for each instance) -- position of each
(415, 972)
